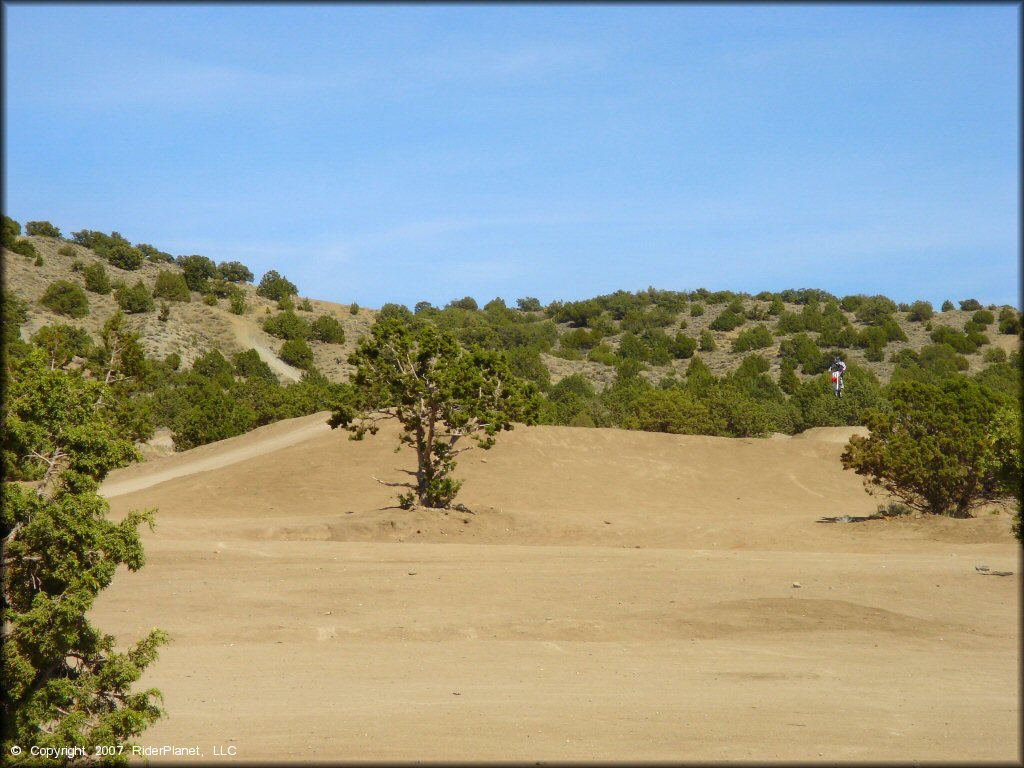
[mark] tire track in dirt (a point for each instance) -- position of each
(248, 337)
(169, 469)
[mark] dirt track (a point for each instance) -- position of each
(615, 596)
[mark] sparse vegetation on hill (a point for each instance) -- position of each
(677, 361)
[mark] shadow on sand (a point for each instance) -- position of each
(847, 519)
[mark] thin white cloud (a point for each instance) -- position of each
(180, 84)
(520, 62)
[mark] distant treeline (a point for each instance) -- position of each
(627, 333)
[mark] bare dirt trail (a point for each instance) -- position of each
(615, 596)
(249, 336)
(259, 442)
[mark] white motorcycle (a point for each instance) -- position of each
(837, 383)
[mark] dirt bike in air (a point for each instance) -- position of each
(837, 383)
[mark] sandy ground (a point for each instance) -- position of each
(612, 596)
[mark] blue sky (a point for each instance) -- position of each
(427, 152)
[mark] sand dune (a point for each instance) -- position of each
(612, 595)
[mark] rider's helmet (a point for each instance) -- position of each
(838, 360)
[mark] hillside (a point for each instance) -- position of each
(194, 328)
(218, 355)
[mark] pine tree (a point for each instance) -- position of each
(65, 684)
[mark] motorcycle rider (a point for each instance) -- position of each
(838, 366)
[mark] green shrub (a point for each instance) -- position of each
(287, 325)
(696, 310)
(707, 341)
(150, 253)
(580, 338)
(874, 354)
(497, 304)
(790, 322)
(1009, 321)
(683, 346)
(171, 285)
(675, 411)
(285, 303)
(892, 509)
(467, 302)
(947, 306)
(234, 272)
(802, 349)
(306, 305)
(173, 361)
(41, 229)
(727, 320)
(211, 414)
(11, 231)
(326, 328)
(250, 365)
(62, 342)
(567, 353)
(353, 309)
(528, 304)
(237, 303)
(65, 298)
(873, 310)
(983, 317)
(38, 262)
(78, 265)
(274, 286)
(135, 299)
(789, 382)
(297, 352)
(970, 305)
(994, 355)
(893, 331)
(124, 256)
(198, 270)
(850, 303)
(222, 289)
(603, 354)
(210, 299)
(214, 366)
(819, 408)
(958, 340)
(165, 312)
(930, 448)
(96, 279)
(25, 248)
(931, 364)
(877, 336)
(67, 250)
(920, 311)
(398, 312)
(757, 337)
